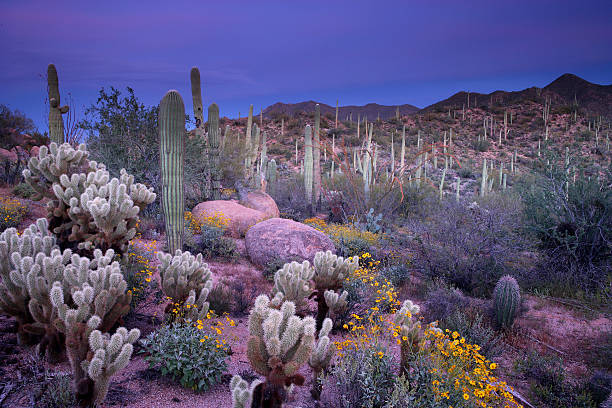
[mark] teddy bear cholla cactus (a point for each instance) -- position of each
(330, 272)
(242, 392)
(186, 280)
(97, 299)
(14, 296)
(87, 208)
(110, 354)
(408, 330)
(320, 357)
(279, 344)
(293, 282)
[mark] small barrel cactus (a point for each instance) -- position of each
(506, 300)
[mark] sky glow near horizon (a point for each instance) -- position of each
(386, 52)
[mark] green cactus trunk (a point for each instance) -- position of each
(507, 300)
(214, 143)
(308, 163)
(172, 148)
(198, 112)
(56, 123)
(317, 156)
(247, 144)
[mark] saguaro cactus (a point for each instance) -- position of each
(198, 112)
(56, 123)
(507, 300)
(317, 155)
(308, 164)
(213, 140)
(172, 148)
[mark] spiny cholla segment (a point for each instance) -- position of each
(279, 341)
(183, 273)
(110, 354)
(293, 282)
(242, 392)
(17, 253)
(331, 270)
(86, 206)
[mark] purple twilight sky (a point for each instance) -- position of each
(262, 52)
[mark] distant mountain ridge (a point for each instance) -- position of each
(595, 98)
(371, 110)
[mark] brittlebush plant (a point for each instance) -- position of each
(12, 212)
(456, 372)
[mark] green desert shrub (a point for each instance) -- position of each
(549, 384)
(572, 223)
(23, 190)
(475, 331)
(470, 245)
(58, 392)
(361, 378)
(186, 354)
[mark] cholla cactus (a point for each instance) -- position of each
(242, 392)
(198, 307)
(507, 300)
(110, 354)
(97, 300)
(320, 357)
(14, 249)
(279, 344)
(408, 331)
(330, 272)
(293, 281)
(87, 208)
(183, 273)
(337, 303)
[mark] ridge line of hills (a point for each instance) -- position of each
(567, 90)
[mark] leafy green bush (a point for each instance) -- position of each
(220, 299)
(211, 243)
(475, 331)
(481, 145)
(572, 221)
(470, 245)
(362, 378)
(396, 274)
(58, 392)
(23, 190)
(187, 355)
(549, 384)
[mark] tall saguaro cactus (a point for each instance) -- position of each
(56, 123)
(198, 112)
(172, 148)
(308, 161)
(213, 140)
(317, 156)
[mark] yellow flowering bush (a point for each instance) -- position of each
(450, 371)
(12, 212)
(217, 220)
(138, 269)
(348, 239)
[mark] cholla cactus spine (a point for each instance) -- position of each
(172, 148)
(56, 123)
(507, 300)
(330, 271)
